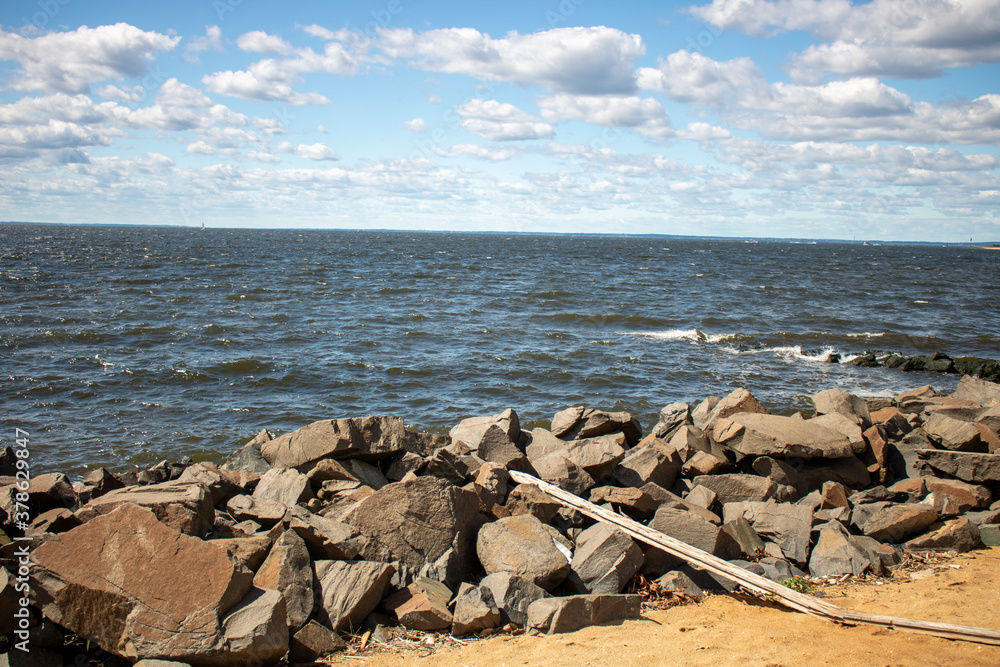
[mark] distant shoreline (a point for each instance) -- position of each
(986, 247)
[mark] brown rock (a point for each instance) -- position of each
(288, 570)
(772, 435)
(521, 545)
(312, 642)
(423, 605)
(838, 401)
(529, 499)
(361, 437)
(738, 401)
(965, 496)
(284, 485)
(893, 523)
(139, 587)
(647, 463)
(953, 434)
(967, 466)
(960, 535)
(978, 391)
(568, 614)
(264, 511)
(186, 506)
(349, 591)
(471, 431)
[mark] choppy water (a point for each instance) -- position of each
(132, 344)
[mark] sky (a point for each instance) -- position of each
(814, 119)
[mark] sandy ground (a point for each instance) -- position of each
(725, 630)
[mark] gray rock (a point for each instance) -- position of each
(255, 631)
(664, 497)
(744, 536)
(557, 468)
(753, 434)
(312, 642)
(984, 517)
(835, 553)
(644, 464)
(737, 487)
(418, 519)
(679, 581)
(248, 457)
(838, 401)
(288, 570)
(404, 463)
(953, 434)
(695, 531)
(789, 526)
(775, 569)
(349, 591)
(497, 446)
(893, 523)
(325, 538)
(475, 610)
(360, 437)
(604, 561)
(568, 614)
(472, 430)
(521, 545)
(284, 485)
(970, 467)
(512, 594)
(989, 534)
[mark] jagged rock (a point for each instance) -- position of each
(101, 481)
(833, 494)
(672, 417)
(221, 484)
(737, 487)
(894, 522)
(162, 594)
(512, 594)
(264, 511)
(702, 496)
(700, 412)
(288, 570)
(789, 526)
(636, 502)
(592, 423)
(248, 457)
(989, 534)
(349, 591)
(679, 581)
(556, 468)
(990, 437)
(838, 401)
(694, 530)
(568, 614)
(779, 471)
(312, 642)
(325, 538)
(529, 499)
(404, 463)
(475, 610)
(703, 463)
(736, 402)
(963, 495)
(664, 497)
(423, 605)
(365, 473)
(521, 545)
(604, 561)
(419, 519)
(894, 421)
(53, 521)
(969, 467)
(977, 391)
(491, 485)
(186, 506)
(953, 434)
(249, 552)
(598, 455)
(644, 464)
(835, 553)
(496, 446)
(775, 569)
(50, 491)
(359, 437)
(472, 430)
(284, 485)
(754, 434)
(688, 440)
(845, 426)
(452, 463)
(254, 631)
(876, 454)
(959, 535)
(747, 540)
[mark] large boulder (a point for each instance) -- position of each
(893, 523)
(358, 437)
(140, 588)
(959, 535)
(186, 506)
(512, 594)
(737, 487)
(788, 526)
(522, 545)
(473, 430)
(694, 530)
(475, 610)
(753, 434)
(568, 614)
(284, 485)
(647, 463)
(838, 401)
(254, 631)
(836, 553)
(953, 434)
(978, 391)
(737, 401)
(423, 605)
(325, 538)
(419, 519)
(557, 468)
(581, 423)
(598, 455)
(604, 561)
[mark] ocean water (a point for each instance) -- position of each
(127, 345)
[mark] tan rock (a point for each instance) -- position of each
(186, 506)
(771, 435)
(372, 437)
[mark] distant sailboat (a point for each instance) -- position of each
(203, 224)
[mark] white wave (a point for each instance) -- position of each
(789, 352)
(693, 335)
(866, 334)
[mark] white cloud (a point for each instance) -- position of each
(272, 79)
(70, 61)
(259, 41)
(415, 125)
(211, 41)
(499, 121)
(644, 115)
(317, 151)
(133, 94)
(478, 152)
(176, 94)
(576, 60)
(898, 38)
(696, 79)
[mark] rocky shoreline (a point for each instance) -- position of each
(357, 524)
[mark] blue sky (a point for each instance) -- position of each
(789, 118)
